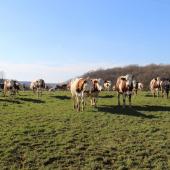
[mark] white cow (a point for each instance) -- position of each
(37, 86)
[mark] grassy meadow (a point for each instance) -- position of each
(47, 133)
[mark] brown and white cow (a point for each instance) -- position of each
(137, 86)
(11, 86)
(98, 85)
(124, 86)
(78, 88)
(107, 85)
(37, 86)
(155, 86)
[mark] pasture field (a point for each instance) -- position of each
(49, 134)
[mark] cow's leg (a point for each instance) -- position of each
(124, 100)
(37, 93)
(82, 104)
(162, 93)
(74, 102)
(118, 97)
(78, 103)
(167, 94)
(95, 102)
(153, 93)
(130, 97)
(158, 93)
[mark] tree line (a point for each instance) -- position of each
(142, 74)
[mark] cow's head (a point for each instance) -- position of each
(84, 85)
(97, 84)
(158, 81)
(129, 81)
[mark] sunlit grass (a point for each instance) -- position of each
(47, 133)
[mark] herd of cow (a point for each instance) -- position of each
(82, 88)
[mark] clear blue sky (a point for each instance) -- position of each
(61, 39)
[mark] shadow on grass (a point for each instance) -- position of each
(133, 111)
(152, 108)
(107, 96)
(31, 100)
(62, 97)
(10, 101)
(149, 95)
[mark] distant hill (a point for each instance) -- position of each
(142, 73)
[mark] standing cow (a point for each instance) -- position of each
(165, 86)
(155, 86)
(38, 86)
(107, 85)
(98, 85)
(11, 86)
(79, 87)
(135, 86)
(124, 86)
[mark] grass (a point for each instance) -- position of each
(47, 133)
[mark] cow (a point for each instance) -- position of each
(52, 89)
(98, 85)
(78, 88)
(155, 86)
(140, 86)
(135, 86)
(124, 86)
(165, 87)
(38, 86)
(61, 87)
(107, 85)
(11, 86)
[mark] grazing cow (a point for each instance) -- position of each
(98, 85)
(165, 86)
(79, 87)
(155, 86)
(124, 86)
(107, 85)
(11, 86)
(38, 86)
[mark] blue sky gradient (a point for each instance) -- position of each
(58, 40)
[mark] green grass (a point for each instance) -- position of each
(49, 134)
